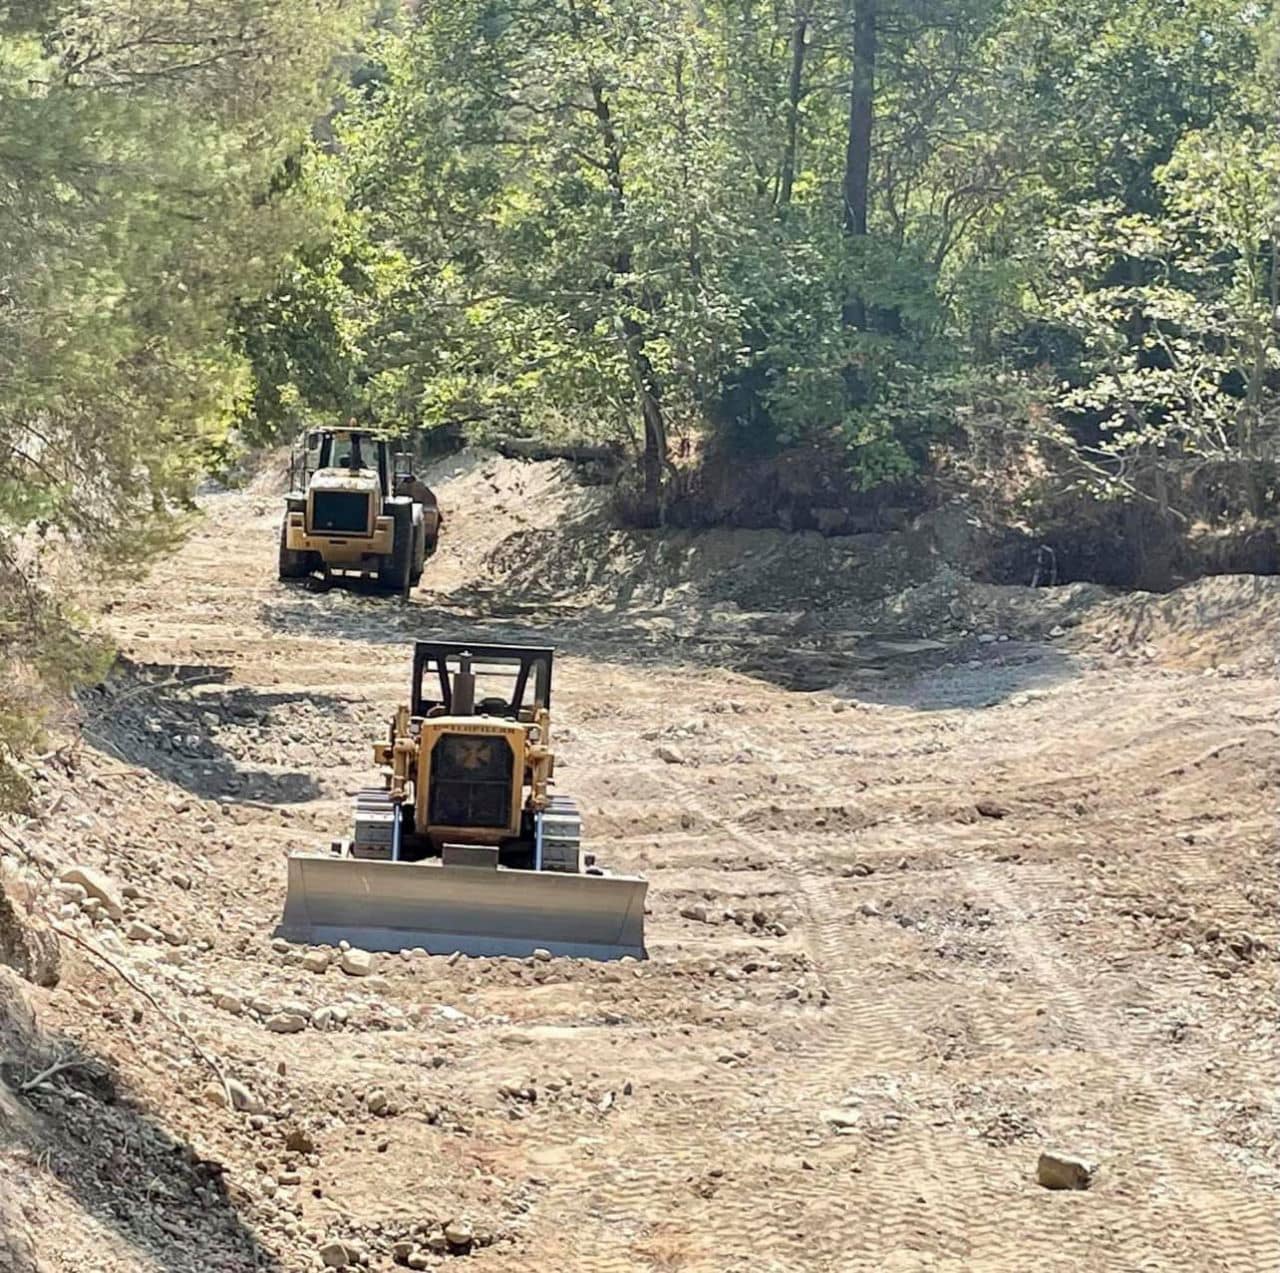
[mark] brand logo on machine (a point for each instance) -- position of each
(474, 754)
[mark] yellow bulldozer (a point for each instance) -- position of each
(355, 507)
(465, 847)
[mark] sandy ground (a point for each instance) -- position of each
(970, 900)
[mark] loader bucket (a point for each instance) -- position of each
(384, 905)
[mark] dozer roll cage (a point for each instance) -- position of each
(446, 673)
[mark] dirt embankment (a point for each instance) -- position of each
(943, 875)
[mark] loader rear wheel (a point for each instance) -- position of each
(293, 565)
(419, 547)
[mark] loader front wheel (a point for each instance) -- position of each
(293, 565)
(396, 571)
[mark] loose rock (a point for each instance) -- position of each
(286, 1023)
(1064, 1171)
(315, 960)
(356, 963)
(339, 1255)
(95, 884)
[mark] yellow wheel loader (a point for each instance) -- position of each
(465, 847)
(355, 507)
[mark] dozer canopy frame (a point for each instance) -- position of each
(435, 664)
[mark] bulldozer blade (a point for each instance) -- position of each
(383, 905)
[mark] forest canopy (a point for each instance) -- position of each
(1044, 235)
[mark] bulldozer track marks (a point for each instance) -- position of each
(832, 1208)
(951, 991)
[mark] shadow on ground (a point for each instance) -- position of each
(803, 652)
(167, 719)
(78, 1138)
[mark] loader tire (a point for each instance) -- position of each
(419, 547)
(396, 571)
(293, 565)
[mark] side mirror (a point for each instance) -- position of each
(402, 464)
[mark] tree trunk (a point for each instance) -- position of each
(795, 87)
(635, 341)
(858, 161)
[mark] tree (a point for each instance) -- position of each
(140, 199)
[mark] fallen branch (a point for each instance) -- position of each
(67, 1063)
(99, 954)
(532, 449)
(1216, 750)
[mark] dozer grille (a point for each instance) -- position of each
(340, 512)
(471, 777)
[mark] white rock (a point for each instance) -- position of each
(541, 955)
(138, 931)
(243, 1099)
(95, 884)
(231, 1004)
(670, 755)
(356, 963)
(316, 960)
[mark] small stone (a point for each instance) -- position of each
(860, 869)
(670, 755)
(95, 884)
(436, 1241)
(280, 946)
(356, 963)
(286, 1023)
(1057, 630)
(243, 1099)
(542, 955)
(420, 1260)
(1064, 1171)
(231, 1004)
(401, 1252)
(843, 1119)
(138, 931)
(459, 1233)
(697, 912)
(297, 1141)
(990, 809)
(182, 880)
(339, 1255)
(870, 910)
(987, 638)
(70, 892)
(376, 1102)
(315, 960)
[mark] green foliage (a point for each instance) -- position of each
(140, 201)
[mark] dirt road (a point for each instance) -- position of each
(905, 935)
